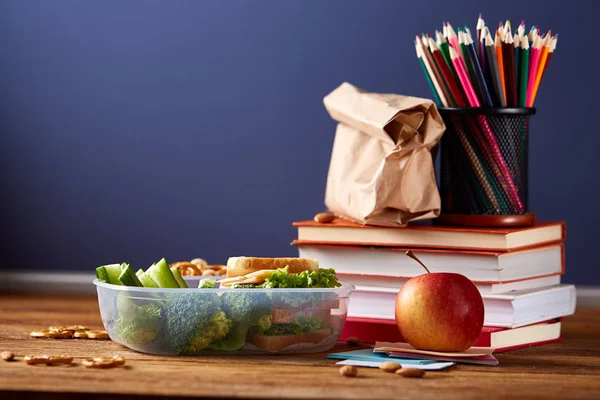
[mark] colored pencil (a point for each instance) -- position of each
(438, 69)
(534, 61)
(550, 52)
(500, 59)
(508, 56)
(532, 33)
(494, 70)
(484, 93)
(467, 63)
(443, 45)
(435, 89)
(456, 92)
(524, 73)
(437, 77)
(517, 50)
(464, 78)
(543, 59)
(521, 29)
(479, 27)
(482, 54)
(452, 37)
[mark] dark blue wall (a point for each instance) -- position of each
(133, 130)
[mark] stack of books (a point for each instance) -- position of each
(517, 271)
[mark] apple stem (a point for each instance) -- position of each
(411, 255)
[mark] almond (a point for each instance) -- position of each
(411, 372)
(348, 370)
(324, 217)
(390, 366)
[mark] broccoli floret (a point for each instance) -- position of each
(235, 339)
(194, 321)
(247, 311)
(261, 324)
(245, 306)
(144, 327)
(217, 328)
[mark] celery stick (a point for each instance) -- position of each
(101, 274)
(147, 281)
(127, 277)
(162, 275)
(178, 278)
(112, 273)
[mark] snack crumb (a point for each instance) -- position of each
(7, 355)
(348, 370)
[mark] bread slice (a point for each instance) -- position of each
(240, 266)
(278, 343)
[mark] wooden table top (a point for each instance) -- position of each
(566, 370)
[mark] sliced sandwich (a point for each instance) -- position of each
(297, 316)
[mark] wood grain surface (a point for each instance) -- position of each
(566, 370)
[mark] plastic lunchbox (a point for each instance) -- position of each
(223, 321)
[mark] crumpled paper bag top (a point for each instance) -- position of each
(382, 169)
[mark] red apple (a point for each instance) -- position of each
(439, 311)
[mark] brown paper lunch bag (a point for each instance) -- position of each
(382, 163)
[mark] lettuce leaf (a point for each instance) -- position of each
(207, 283)
(321, 278)
(300, 327)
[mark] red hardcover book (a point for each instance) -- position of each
(503, 339)
(342, 231)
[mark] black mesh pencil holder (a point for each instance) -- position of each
(484, 167)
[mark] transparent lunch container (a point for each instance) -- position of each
(223, 321)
